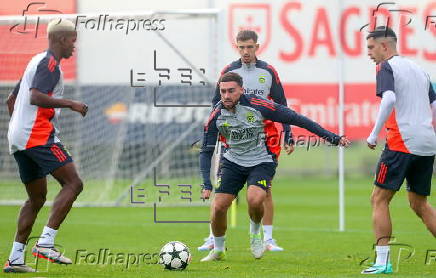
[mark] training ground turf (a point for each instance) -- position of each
(305, 225)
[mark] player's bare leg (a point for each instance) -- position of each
(424, 210)
(71, 187)
(220, 206)
(268, 207)
(255, 199)
(36, 192)
(381, 218)
(382, 225)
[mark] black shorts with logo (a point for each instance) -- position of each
(39, 161)
(393, 167)
(234, 176)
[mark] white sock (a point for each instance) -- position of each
(17, 253)
(382, 255)
(210, 231)
(254, 227)
(267, 232)
(47, 237)
(219, 243)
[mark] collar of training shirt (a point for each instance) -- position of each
(250, 66)
(50, 52)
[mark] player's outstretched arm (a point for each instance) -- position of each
(43, 100)
(279, 113)
(306, 123)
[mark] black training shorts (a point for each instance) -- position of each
(395, 166)
(234, 176)
(39, 161)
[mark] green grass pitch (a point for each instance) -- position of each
(306, 221)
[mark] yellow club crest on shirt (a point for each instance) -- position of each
(262, 79)
(250, 117)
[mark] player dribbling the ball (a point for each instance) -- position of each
(239, 118)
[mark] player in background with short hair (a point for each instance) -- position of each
(408, 112)
(33, 141)
(262, 80)
(240, 118)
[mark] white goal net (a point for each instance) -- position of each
(148, 79)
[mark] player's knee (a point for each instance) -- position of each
(76, 186)
(378, 200)
(375, 200)
(255, 201)
(220, 207)
(37, 201)
(417, 206)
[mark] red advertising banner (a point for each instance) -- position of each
(320, 103)
(20, 42)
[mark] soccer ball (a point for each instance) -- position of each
(175, 255)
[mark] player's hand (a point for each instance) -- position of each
(79, 107)
(372, 147)
(205, 194)
(372, 142)
(10, 103)
(344, 142)
(289, 148)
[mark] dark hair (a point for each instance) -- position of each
(231, 77)
(382, 31)
(245, 35)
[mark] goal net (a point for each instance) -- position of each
(148, 79)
